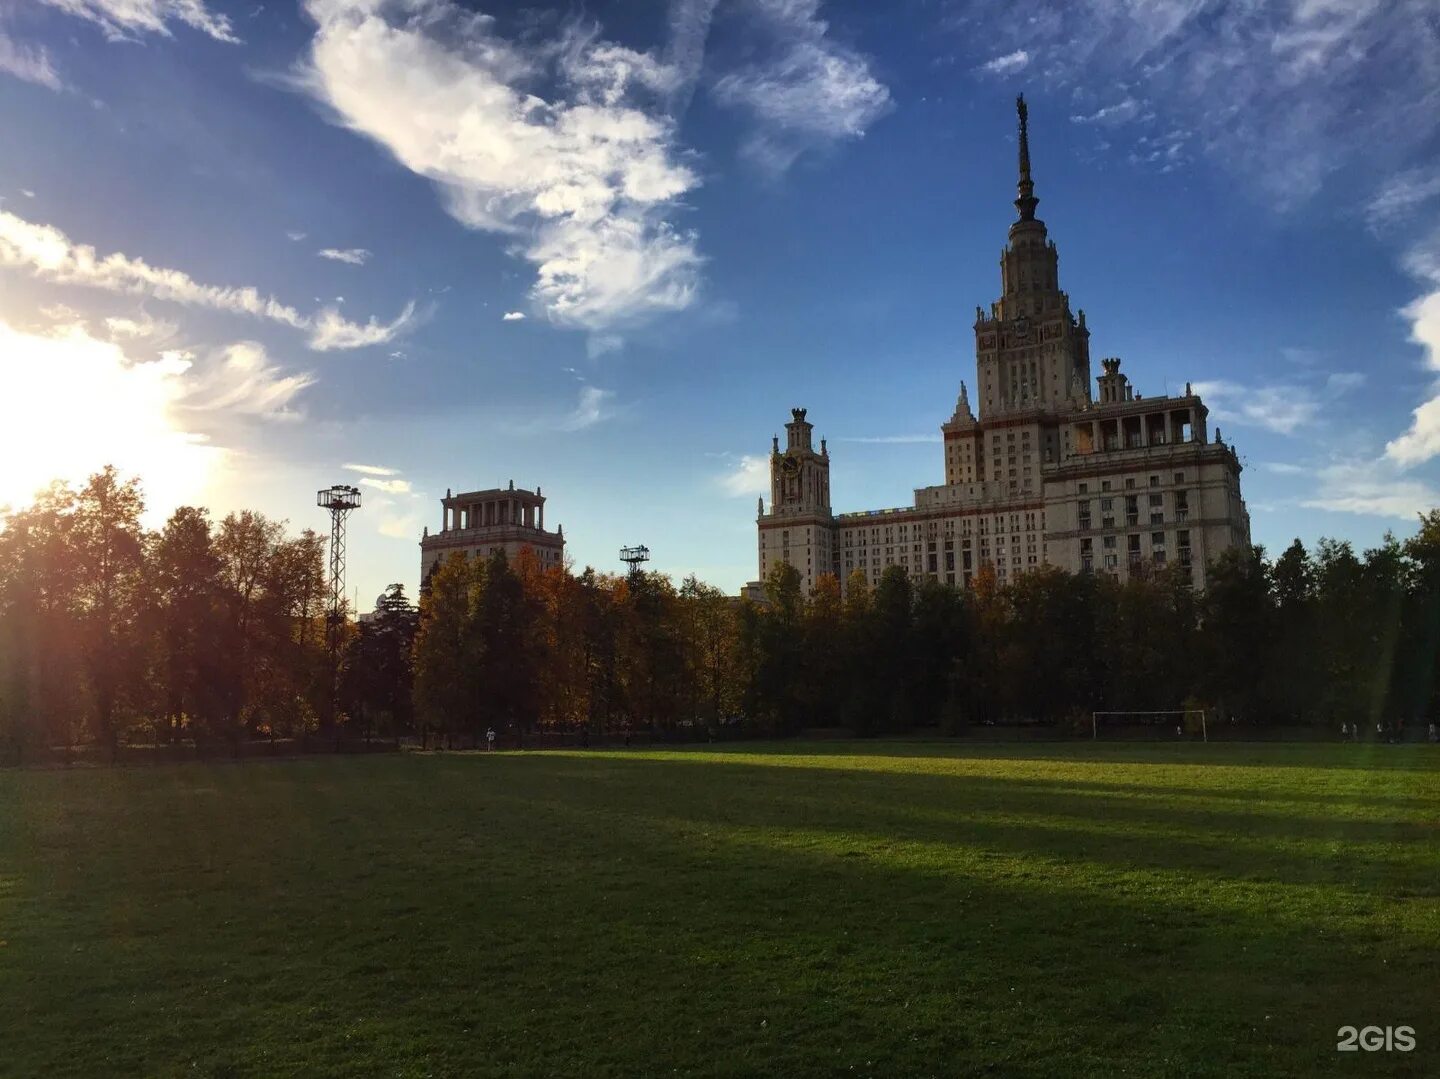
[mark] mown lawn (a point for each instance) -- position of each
(788, 910)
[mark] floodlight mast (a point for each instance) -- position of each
(340, 500)
(635, 557)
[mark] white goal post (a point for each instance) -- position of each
(1180, 716)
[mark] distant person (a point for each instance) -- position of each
(1434, 734)
(1344, 731)
(490, 739)
(627, 739)
(1379, 731)
(585, 738)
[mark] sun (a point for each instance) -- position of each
(77, 403)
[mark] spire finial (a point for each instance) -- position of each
(1025, 201)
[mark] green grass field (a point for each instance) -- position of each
(791, 909)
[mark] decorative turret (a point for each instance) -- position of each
(1114, 387)
(962, 405)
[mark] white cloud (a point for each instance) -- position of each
(1008, 64)
(592, 408)
(1371, 488)
(749, 476)
(296, 236)
(27, 64)
(512, 316)
(392, 487)
(1282, 409)
(399, 525)
(355, 256)
(808, 91)
(1422, 441)
(126, 20)
(565, 146)
(371, 470)
(47, 253)
(330, 330)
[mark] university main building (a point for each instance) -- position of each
(1045, 474)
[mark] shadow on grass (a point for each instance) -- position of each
(1395, 857)
(623, 915)
(1410, 756)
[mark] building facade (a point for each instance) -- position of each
(482, 523)
(1046, 473)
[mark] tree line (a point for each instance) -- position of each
(213, 632)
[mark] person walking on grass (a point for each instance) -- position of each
(490, 739)
(1344, 732)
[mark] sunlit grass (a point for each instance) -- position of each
(789, 909)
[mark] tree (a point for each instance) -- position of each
(185, 619)
(106, 547)
(41, 672)
(377, 674)
(447, 649)
(1237, 632)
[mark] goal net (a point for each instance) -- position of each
(1180, 725)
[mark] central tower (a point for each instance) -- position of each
(1031, 353)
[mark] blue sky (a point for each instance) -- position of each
(246, 247)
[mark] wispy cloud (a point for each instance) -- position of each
(1371, 488)
(127, 20)
(592, 408)
(1117, 113)
(371, 470)
(513, 316)
(807, 91)
(391, 487)
(28, 64)
(47, 253)
(1400, 197)
(1008, 64)
(602, 344)
(1283, 408)
(1281, 92)
(329, 330)
(355, 256)
(241, 380)
(143, 327)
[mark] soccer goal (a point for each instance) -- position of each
(1176, 724)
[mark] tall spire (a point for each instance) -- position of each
(1025, 201)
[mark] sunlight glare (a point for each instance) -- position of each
(77, 403)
